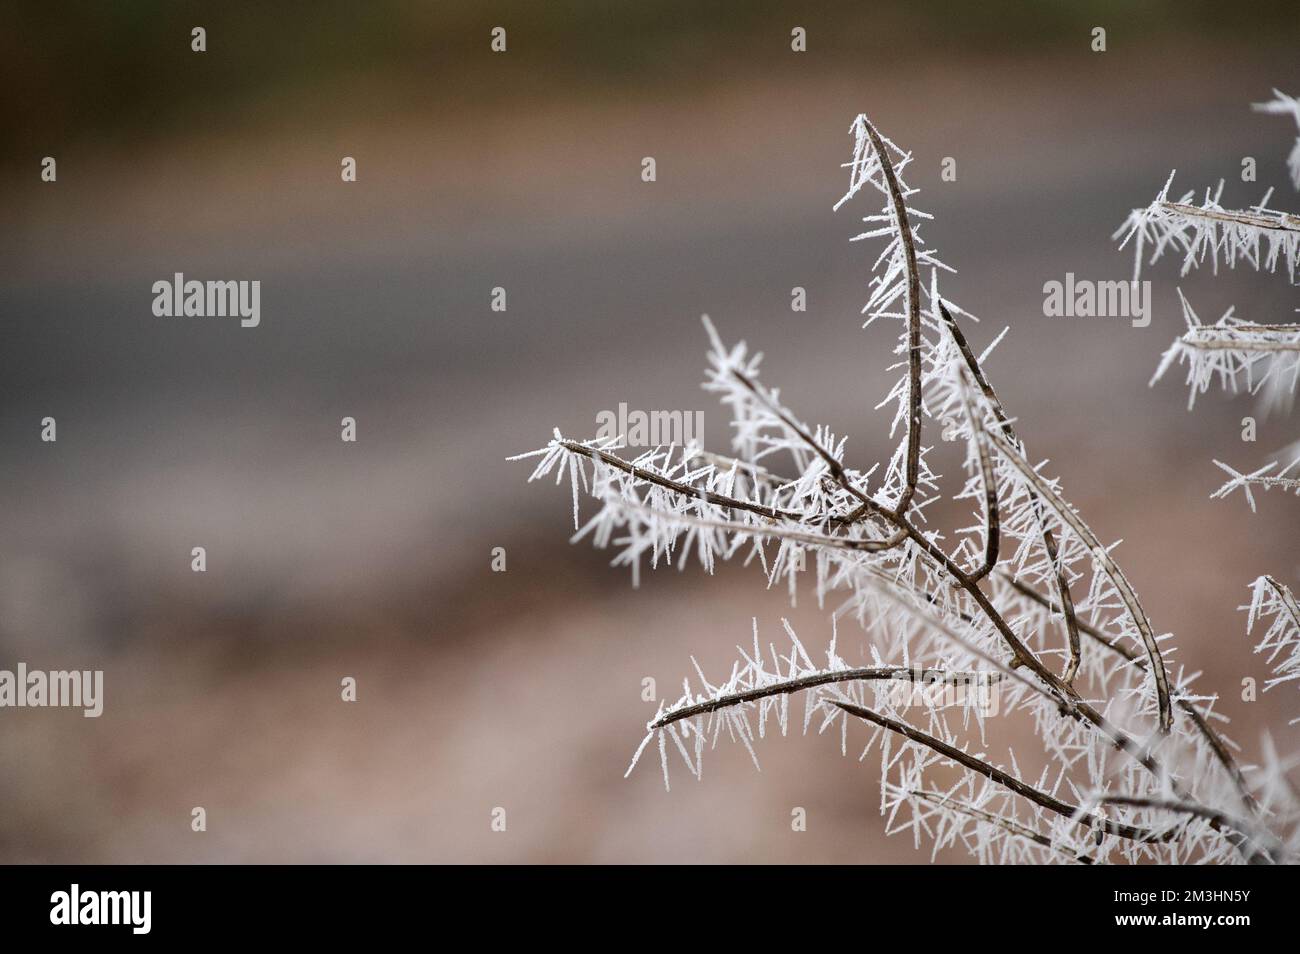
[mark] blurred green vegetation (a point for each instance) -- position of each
(117, 72)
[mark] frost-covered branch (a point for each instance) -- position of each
(821, 678)
(1239, 355)
(1259, 237)
(1263, 479)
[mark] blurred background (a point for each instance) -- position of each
(522, 169)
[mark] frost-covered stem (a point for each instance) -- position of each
(781, 533)
(1209, 339)
(1217, 819)
(1284, 223)
(1285, 326)
(1006, 780)
(651, 477)
(790, 686)
(1007, 824)
(913, 318)
(1109, 567)
(1049, 538)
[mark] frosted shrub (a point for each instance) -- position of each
(1132, 764)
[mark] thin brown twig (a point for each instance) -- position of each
(1260, 345)
(686, 490)
(790, 686)
(913, 319)
(1283, 223)
(1216, 818)
(709, 496)
(788, 533)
